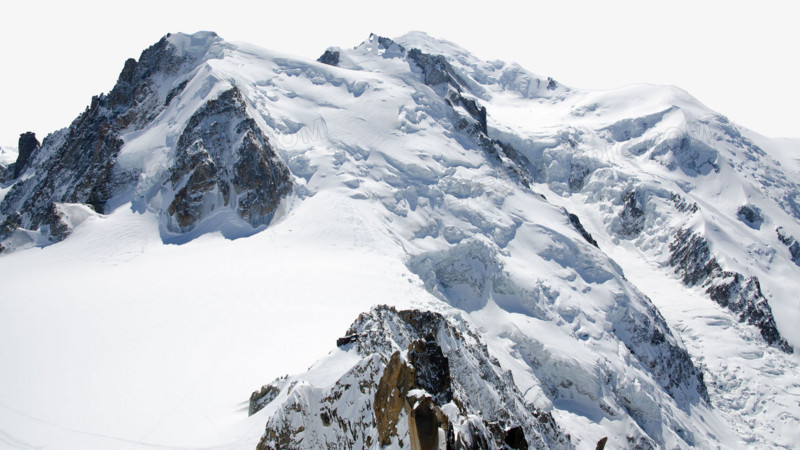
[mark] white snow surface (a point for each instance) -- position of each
(114, 339)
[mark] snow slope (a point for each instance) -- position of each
(405, 193)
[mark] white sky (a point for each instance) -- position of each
(738, 58)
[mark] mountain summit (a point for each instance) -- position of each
(481, 257)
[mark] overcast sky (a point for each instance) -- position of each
(740, 59)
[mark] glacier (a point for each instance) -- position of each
(591, 265)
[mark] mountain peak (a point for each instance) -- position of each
(193, 45)
(557, 264)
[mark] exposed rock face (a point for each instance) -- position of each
(428, 426)
(791, 243)
(203, 176)
(222, 158)
(26, 146)
(440, 75)
(750, 215)
(11, 223)
(515, 439)
(58, 228)
(330, 57)
(435, 69)
(390, 398)
(692, 259)
(432, 368)
(632, 216)
(445, 392)
(78, 165)
(262, 397)
(576, 222)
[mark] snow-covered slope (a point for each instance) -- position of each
(613, 264)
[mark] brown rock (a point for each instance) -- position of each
(424, 421)
(398, 378)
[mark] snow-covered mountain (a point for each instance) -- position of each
(480, 256)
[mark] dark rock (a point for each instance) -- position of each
(743, 295)
(26, 146)
(383, 328)
(389, 44)
(326, 419)
(751, 216)
(435, 69)
(477, 113)
(330, 57)
(11, 223)
(601, 444)
(791, 243)
(794, 251)
(648, 337)
(682, 205)
(363, 408)
(433, 371)
(516, 166)
(342, 341)
(261, 398)
(219, 132)
(54, 220)
(632, 215)
(577, 176)
(78, 165)
(692, 259)
(174, 92)
(576, 223)
(515, 438)
(551, 84)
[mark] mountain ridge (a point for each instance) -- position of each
(415, 152)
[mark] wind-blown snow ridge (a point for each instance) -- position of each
(560, 240)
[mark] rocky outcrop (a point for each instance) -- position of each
(26, 146)
(330, 57)
(397, 381)
(439, 74)
(632, 215)
(423, 381)
(224, 159)
(432, 368)
(683, 205)
(791, 243)
(78, 165)
(435, 69)
(9, 224)
(750, 215)
(262, 397)
(693, 261)
(576, 223)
